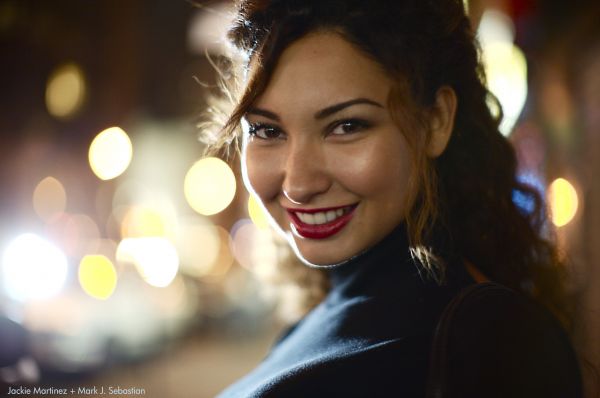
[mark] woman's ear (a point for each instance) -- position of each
(441, 121)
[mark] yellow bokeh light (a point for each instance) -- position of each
(155, 258)
(209, 186)
(65, 91)
(142, 221)
(49, 198)
(257, 213)
(110, 153)
(97, 276)
(563, 201)
(198, 247)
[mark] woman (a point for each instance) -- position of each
(366, 136)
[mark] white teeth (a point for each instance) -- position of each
(331, 215)
(303, 217)
(320, 217)
(307, 218)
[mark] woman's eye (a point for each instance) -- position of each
(264, 131)
(348, 127)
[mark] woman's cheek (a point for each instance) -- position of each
(261, 172)
(377, 171)
(358, 168)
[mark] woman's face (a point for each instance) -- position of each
(322, 153)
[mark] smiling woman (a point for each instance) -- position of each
(321, 149)
(364, 132)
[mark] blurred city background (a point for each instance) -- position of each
(127, 259)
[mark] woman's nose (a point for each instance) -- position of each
(305, 173)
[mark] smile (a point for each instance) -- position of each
(320, 223)
(320, 217)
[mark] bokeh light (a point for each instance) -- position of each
(224, 260)
(144, 210)
(198, 246)
(65, 91)
(97, 276)
(563, 201)
(523, 200)
(506, 71)
(495, 26)
(209, 186)
(505, 66)
(142, 221)
(33, 268)
(155, 258)
(49, 198)
(257, 213)
(254, 248)
(110, 153)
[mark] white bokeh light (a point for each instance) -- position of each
(495, 26)
(505, 66)
(33, 268)
(155, 258)
(506, 70)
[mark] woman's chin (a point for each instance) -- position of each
(315, 255)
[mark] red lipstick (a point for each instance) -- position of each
(320, 231)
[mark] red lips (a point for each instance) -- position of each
(320, 231)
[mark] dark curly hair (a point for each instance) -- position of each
(463, 200)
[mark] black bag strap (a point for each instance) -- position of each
(438, 382)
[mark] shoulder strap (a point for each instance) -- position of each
(437, 386)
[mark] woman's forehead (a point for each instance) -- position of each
(323, 67)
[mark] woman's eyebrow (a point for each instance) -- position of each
(323, 113)
(263, 112)
(330, 110)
